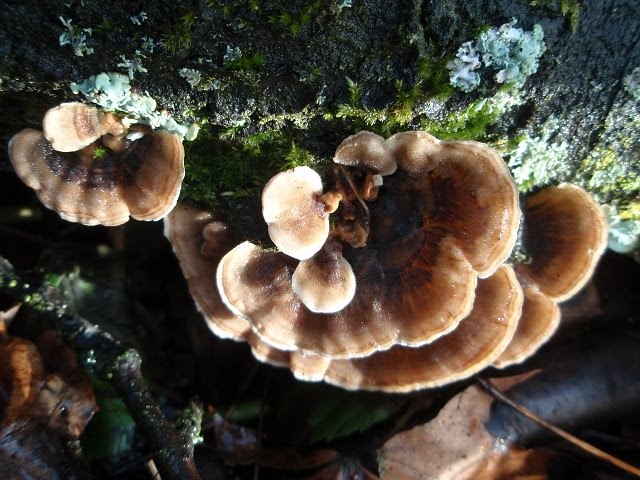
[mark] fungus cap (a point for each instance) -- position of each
(199, 240)
(72, 126)
(471, 347)
(366, 151)
(429, 238)
(414, 152)
(104, 187)
(468, 189)
(565, 233)
(412, 310)
(325, 282)
(296, 217)
(539, 320)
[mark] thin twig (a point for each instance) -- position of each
(587, 447)
(355, 191)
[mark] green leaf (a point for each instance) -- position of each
(110, 433)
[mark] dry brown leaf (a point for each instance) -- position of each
(22, 375)
(514, 464)
(451, 446)
(39, 411)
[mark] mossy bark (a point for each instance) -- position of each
(280, 78)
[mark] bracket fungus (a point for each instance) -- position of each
(91, 169)
(200, 239)
(565, 233)
(417, 260)
(366, 151)
(423, 241)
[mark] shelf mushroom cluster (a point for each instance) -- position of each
(92, 169)
(414, 251)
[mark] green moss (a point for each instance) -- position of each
(294, 22)
(230, 162)
(473, 122)
(237, 167)
(245, 62)
(100, 152)
(400, 114)
(568, 8)
(298, 157)
(179, 36)
(434, 78)
(300, 120)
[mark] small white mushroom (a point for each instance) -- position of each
(367, 151)
(325, 283)
(72, 126)
(296, 216)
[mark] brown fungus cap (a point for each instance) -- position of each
(430, 237)
(467, 190)
(199, 240)
(477, 341)
(366, 151)
(539, 320)
(296, 217)
(99, 186)
(72, 126)
(325, 282)
(565, 233)
(386, 309)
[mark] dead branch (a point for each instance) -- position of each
(585, 446)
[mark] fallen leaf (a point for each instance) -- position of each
(451, 446)
(40, 411)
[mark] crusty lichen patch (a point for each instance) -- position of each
(537, 160)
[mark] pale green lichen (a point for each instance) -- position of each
(140, 18)
(133, 65)
(514, 52)
(510, 50)
(462, 69)
(537, 160)
(112, 92)
(192, 76)
(610, 170)
(76, 37)
(607, 174)
(624, 234)
(631, 83)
